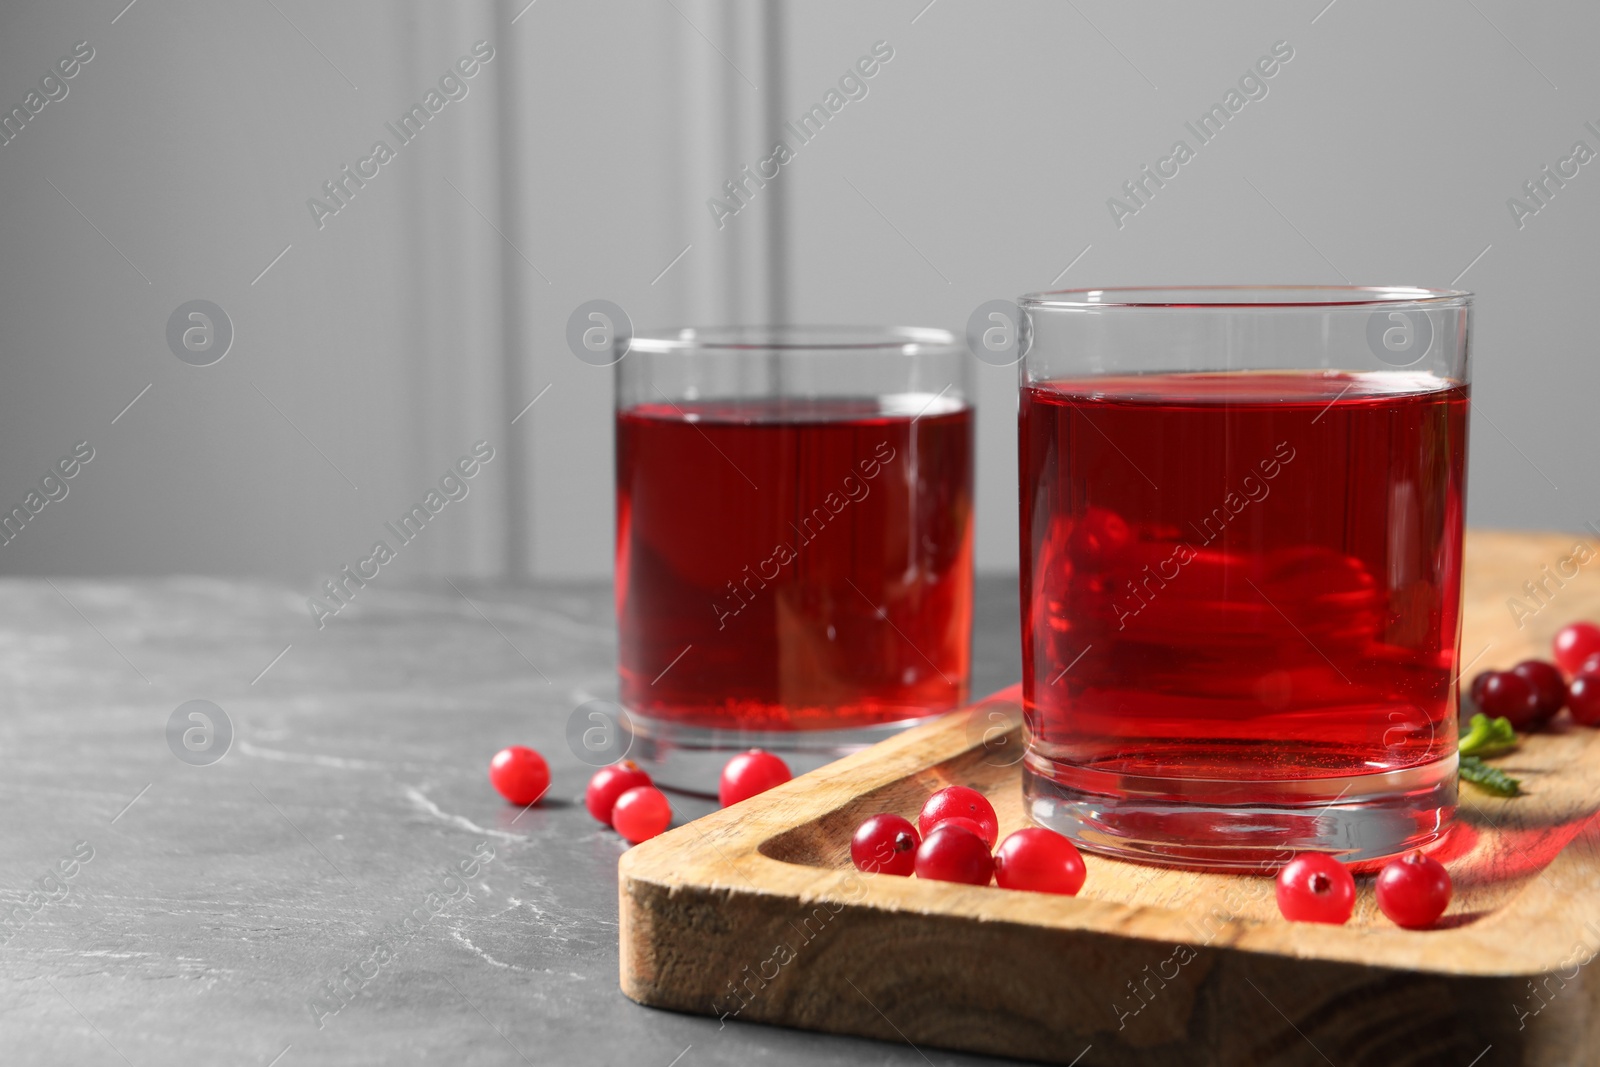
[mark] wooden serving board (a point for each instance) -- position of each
(755, 913)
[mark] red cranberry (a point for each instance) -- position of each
(1511, 695)
(1315, 888)
(885, 844)
(1414, 891)
(954, 854)
(1039, 860)
(1476, 691)
(608, 784)
(519, 774)
(1590, 665)
(1549, 688)
(641, 813)
(750, 773)
(970, 825)
(1576, 643)
(1583, 697)
(957, 800)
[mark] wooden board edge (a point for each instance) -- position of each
(739, 830)
(924, 978)
(730, 843)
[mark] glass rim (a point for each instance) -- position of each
(897, 340)
(1242, 297)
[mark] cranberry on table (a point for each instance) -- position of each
(519, 774)
(1315, 888)
(750, 773)
(954, 854)
(1039, 860)
(885, 844)
(1590, 665)
(1576, 643)
(1583, 697)
(641, 813)
(1414, 891)
(957, 801)
(1511, 695)
(1548, 686)
(608, 784)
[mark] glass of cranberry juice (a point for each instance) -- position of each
(794, 541)
(1241, 566)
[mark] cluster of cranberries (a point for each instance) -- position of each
(1531, 693)
(1413, 891)
(622, 795)
(951, 841)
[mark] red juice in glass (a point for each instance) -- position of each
(814, 558)
(1306, 524)
(1241, 607)
(794, 541)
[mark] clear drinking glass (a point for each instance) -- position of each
(1241, 568)
(794, 540)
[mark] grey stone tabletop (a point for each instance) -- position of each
(159, 909)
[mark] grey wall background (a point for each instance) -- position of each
(427, 313)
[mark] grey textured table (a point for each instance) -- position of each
(220, 904)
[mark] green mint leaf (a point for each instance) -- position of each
(1488, 737)
(1489, 779)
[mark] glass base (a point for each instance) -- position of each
(1207, 823)
(689, 759)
